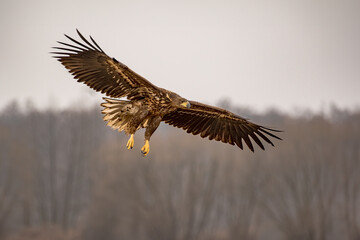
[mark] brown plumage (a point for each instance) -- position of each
(147, 105)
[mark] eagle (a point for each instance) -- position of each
(133, 102)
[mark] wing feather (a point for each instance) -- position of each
(238, 137)
(269, 133)
(201, 125)
(207, 128)
(231, 136)
(195, 125)
(251, 130)
(246, 137)
(225, 133)
(89, 64)
(220, 125)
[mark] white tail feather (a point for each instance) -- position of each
(118, 113)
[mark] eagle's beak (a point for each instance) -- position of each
(186, 104)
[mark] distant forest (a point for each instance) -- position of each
(65, 175)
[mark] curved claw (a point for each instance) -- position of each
(130, 143)
(146, 148)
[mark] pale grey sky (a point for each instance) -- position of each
(281, 53)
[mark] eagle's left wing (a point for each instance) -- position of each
(91, 65)
(219, 124)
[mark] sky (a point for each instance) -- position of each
(283, 54)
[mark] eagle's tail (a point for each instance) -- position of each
(118, 113)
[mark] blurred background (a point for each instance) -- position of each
(291, 65)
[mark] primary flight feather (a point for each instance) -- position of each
(147, 105)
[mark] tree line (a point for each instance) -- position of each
(65, 175)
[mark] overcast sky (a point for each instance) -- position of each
(261, 54)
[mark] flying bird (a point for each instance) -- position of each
(146, 105)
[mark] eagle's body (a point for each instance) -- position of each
(147, 105)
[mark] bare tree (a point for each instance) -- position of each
(241, 185)
(64, 171)
(349, 172)
(302, 191)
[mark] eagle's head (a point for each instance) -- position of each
(177, 100)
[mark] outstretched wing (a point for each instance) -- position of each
(90, 64)
(219, 124)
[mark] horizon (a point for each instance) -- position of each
(328, 111)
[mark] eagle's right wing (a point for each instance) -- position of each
(91, 65)
(220, 125)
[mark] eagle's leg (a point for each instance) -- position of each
(146, 148)
(130, 143)
(134, 123)
(150, 129)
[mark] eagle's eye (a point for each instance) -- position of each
(186, 104)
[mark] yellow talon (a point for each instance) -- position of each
(146, 148)
(130, 143)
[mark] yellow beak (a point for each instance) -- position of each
(186, 104)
